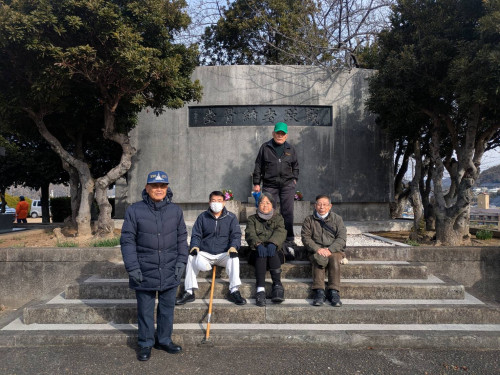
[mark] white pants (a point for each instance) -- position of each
(204, 262)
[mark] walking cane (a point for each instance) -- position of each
(206, 341)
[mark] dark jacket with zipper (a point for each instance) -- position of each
(272, 171)
(216, 235)
(154, 239)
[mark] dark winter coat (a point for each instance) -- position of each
(259, 230)
(216, 235)
(154, 239)
(315, 236)
(272, 171)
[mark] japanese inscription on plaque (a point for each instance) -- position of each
(294, 115)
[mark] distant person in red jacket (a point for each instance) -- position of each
(22, 209)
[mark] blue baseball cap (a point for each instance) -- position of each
(157, 177)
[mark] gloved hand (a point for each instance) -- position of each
(262, 251)
(194, 251)
(136, 275)
(232, 252)
(271, 249)
(179, 271)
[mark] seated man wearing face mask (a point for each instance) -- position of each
(215, 240)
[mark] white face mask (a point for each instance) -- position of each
(216, 207)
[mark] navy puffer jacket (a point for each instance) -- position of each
(154, 239)
(216, 235)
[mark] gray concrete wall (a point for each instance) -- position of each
(33, 273)
(351, 161)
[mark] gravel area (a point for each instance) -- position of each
(356, 240)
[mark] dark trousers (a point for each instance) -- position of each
(286, 196)
(164, 316)
(261, 265)
(22, 221)
(333, 268)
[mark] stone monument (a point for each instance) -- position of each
(212, 145)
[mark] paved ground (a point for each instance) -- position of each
(247, 361)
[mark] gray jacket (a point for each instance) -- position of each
(315, 236)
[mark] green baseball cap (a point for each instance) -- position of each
(281, 127)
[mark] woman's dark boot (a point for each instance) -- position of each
(260, 299)
(277, 293)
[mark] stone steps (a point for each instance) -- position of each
(302, 269)
(290, 312)
(388, 300)
(342, 336)
(432, 288)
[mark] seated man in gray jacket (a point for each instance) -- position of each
(324, 236)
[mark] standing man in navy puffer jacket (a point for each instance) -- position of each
(154, 248)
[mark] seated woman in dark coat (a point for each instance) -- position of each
(265, 233)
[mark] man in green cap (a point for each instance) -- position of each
(277, 168)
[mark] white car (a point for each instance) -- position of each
(36, 208)
(8, 210)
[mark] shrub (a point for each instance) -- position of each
(484, 234)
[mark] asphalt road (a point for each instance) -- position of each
(246, 361)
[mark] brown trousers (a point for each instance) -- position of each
(333, 268)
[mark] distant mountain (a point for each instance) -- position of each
(489, 176)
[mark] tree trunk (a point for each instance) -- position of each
(75, 191)
(398, 206)
(105, 224)
(451, 231)
(427, 201)
(2, 198)
(401, 190)
(86, 180)
(415, 198)
(45, 202)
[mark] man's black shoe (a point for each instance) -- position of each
(237, 298)
(143, 354)
(169, 348)
(278, 294)
(186, 297)
(260, 299)
(319, 297)
(334, 297)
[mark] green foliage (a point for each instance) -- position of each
(412, 242)
(269, 32)
(60, 208)
(107, 242)
(434, 62)
(67, 244)
(484, 234)
(81, 70)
